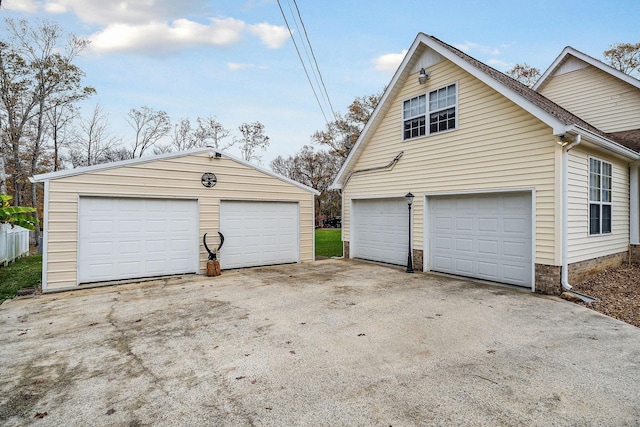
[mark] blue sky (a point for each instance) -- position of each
(234, 59)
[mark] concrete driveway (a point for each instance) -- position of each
(325, 344)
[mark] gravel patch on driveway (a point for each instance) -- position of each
(328, 343)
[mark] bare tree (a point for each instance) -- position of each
(150, 126)
(317, 169)
(624, 57)
(3, 176)
(36, 74)
(94, 143)
(60, 118)
(524, 73)
(210, 132)
(182, 138)
(341, 134)
(253, 139)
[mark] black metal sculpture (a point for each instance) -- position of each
(212, 255)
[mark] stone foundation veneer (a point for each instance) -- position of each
(581, 271)
(634, 254)
(418, 263)
(548, 279)
(345, 250)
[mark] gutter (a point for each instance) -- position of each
(566, 147)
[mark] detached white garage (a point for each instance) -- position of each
(146, 218)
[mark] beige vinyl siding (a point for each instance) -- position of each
(177, 178)
(496, 146)
(597, 97)
(582, 246)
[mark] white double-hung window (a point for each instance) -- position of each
(599, 196)
(440, 106)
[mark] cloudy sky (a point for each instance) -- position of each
(235, 59)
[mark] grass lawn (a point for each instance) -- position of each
(328, 242)
(25, 272)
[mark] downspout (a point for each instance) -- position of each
(564, 279)
(565, 212)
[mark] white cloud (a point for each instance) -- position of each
(389, 61)
(468, 46)
(55, 7)
(28, 6)
(273, 36)
(234, 66)
(155, 26)
(126, 11)
(158, 37)
(498, 64)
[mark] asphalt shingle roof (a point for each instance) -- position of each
(629, 139)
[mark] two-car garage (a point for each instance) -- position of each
(146, 218)
(485, 236)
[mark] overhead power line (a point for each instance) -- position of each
(312, 61)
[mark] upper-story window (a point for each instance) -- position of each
(441, 109)
(599, 197)
(414, 117)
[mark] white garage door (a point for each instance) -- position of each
(122, 238)
(485, 236)
(258, 233)
(381, 230)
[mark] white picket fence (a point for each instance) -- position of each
(14, 243)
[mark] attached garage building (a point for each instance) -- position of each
(145, 218)
(534, 187)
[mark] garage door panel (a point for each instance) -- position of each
(487, 247)
(488, 225)
(381, 230)
(464, 265)
(121, 238)
(516, 250)
(487, 204)
(464, 245)
(259, 233)
(492, 235)
(487, 269)
(516, 226)
(464, 224)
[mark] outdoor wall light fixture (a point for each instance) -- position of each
(409, 198)
(424, 76)
(213, 153)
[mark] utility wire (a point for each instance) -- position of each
(314, 70)
(315, 60)
(302, 62)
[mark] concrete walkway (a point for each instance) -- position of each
(324, 344)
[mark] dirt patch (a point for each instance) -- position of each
(617, 291)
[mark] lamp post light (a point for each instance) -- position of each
(409, 198)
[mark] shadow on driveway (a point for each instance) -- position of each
(333, 342)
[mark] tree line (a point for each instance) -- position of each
(42, 128)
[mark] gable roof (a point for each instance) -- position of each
(550, 113)
(569, 52)
(123, 163)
